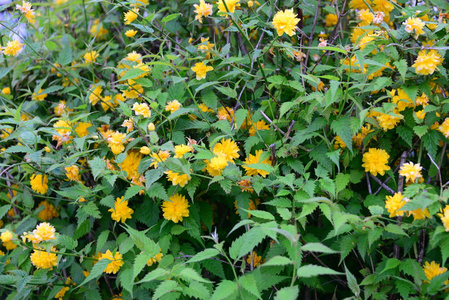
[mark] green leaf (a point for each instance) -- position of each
(153, 275)
(151, 176)
(139, 263)
(314, 270)
(96, 271)
(395, 229)
(248, 282)
(170, 17)
(225, 289)
(132, 191)
(285, 107)
(178, 229)
(287, 293)
(341, 127)
(91, 209)
(142, 242)
(65, 56)
(165, 287)
(97, 166)
(190, 274)
(352, 283)
(66, 242)
(317, 247)
(248, 241)
(197, 290)
(391, 264)
(132, 73)
(402, 68)
(240, 116)
(227, 91)
(278, 261)
(260, 214)
(101, 240)
(157, 191)
(4, 210)
(341, 181)
(420, 130)
(205, 254)
(126, 280)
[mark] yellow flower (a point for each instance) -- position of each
(134, 56)
(116, 141)
(200, 70)
(331, 20)
(6, 91)
(433, 269)
(260, 125)
(445, 218)
(394, 204)
(151, 127)
(44, 232)
(131, 15)
(177, 179)
(134, 90)
(257, 260)
(131, 33)
(26, 9)
(216, 165)
(202, 10)
(6, 236)
(39, 96)
(49, 212)
(153, 260)
(358, 138)
(285, 22)
(387, 121)
(366, 17)
(422, 100)
(411, 171)
(81, 128)
(402, 100)
(159, 157)
(172, 106)
(95, 94)
(42, 259)
(39, 183)
(227, 149)
(115, 264)
(145, 150)
(62, 108)
(339, 143)
(359, 4)
(61, 293)
(255, 159)
(13, 48)
(121, 211)
(176, 209)
(204, 108)
(97, 30)
(91, 56)
(180, 150)
(414, 24)
(73, 173)
(225, 113)
(231, 5)
(384, 6)
(427, 62)
(142, 110)
(444, 128)
(131, 164)
(245, 185)
(128, 123)
(206, 46)
(419, 214)
(375, 161)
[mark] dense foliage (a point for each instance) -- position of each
(229, 150)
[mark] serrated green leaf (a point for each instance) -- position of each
(402, 68)
(153, 275)
(278, 261)
(205, 254)
(225, 289)
(287, 293)
(165, 287)
(314, 270)
(317, 247)
(190, 275)
(248, 282)
(96, 271)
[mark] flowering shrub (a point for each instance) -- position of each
(224, 150)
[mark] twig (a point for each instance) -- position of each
(271, 122)
(382, 184)
(369, 184)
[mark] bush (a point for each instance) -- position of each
(229, 150)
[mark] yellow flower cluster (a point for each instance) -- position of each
(285, 22)
(375, 161)
(116, 261)
(121, 211)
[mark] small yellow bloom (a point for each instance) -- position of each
(116, 141)
(376, 161)
(427, 62)
(142, 109)
(73, 173)
(39, 183)
(231, 6)
(131, 33)
(131, 15)
(331, 20)
(176, 209)
(180, 150)
(26, 9)
(44, 232)
(201, 69)
(285, 22)
(6, 91)
(13, 48)
(39, 96)
(161, 156)
(145, 150)
(433, 269)
(155, 259)
(115, 264)
(42, 259)
(411, 171)
(121, 211)
(255, 159)
(227, 149)
(202, 10)
(414, 24)
(177, 179)
(91, 56)
(444, 128)
(257, 260)
(394, 204)
(173, 106)
(151, 127)
(49, 212)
